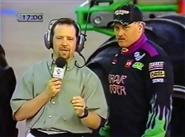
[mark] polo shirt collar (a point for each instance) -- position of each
(70, 64)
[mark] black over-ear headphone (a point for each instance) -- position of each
(48, 36)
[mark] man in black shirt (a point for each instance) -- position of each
(140, 81)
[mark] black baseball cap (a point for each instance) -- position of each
(126, 15)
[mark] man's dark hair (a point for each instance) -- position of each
(3, 62)
(2, 50)
(67, 21)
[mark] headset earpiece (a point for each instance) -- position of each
(81, 38)
(81, 43)
(46, 39)
(47, 35)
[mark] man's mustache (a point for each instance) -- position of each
(64, 48)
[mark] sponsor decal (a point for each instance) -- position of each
(128, 63)
(156, 65)
(138, 65)
(114, 61)
(138, 56)
(157, 74)
(158, 80)
(121, 12)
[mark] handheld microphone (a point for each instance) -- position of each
(60, 68)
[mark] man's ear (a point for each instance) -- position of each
(141, 26)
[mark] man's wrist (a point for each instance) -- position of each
(84, 114)
(46, 96)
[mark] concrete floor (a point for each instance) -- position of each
(23, 41)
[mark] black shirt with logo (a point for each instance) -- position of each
(141, 86)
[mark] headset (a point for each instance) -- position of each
(81, 37)
(48, 36)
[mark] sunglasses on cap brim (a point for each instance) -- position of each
(112, 23)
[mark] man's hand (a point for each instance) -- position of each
(79, 105)
(53, 87)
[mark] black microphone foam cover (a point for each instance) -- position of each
(60, 62)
